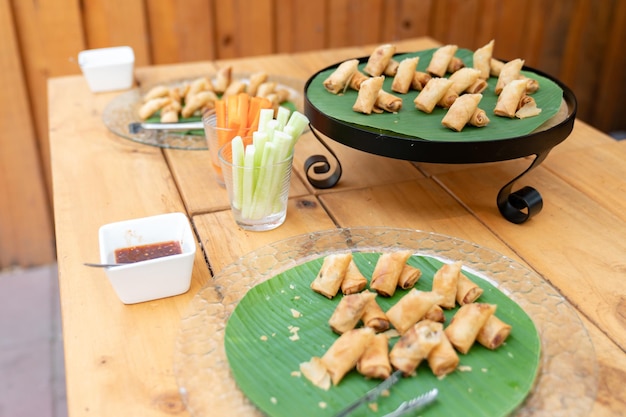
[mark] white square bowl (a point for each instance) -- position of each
(108, 69)
(155, 278)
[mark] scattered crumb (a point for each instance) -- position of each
(509, 354)
(297, 374)
(273, 334)
(385, 393)
(282, 291)
(295, 313)
(440, 377)
(322, 404)
(294, 333)
(485, 370)
(273, 400)
(373, 406)
(469, 390)
(391, 333)
(297, 297)
(293, 287)
(263, 338)
(464, 368)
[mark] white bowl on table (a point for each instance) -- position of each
(108, 69)
(154, 278)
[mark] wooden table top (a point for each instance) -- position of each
(119, 358)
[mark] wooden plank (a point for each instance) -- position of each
(244, 28)
(26, 236)
(456, 22)
(300, 25)
(355, 23)
(180, 31)
(403, 19)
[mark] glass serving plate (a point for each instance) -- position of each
(565, 386)
(123, 110)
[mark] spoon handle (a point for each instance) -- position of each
(101, 265)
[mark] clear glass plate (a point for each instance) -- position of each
(123, 110)
(567, 380)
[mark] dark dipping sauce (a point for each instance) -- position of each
(144, 252)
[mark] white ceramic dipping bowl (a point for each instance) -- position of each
(154, 278)
(108, 69)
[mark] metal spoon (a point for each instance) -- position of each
(102, 265)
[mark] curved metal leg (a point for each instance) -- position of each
(521, 205)
(320, 165)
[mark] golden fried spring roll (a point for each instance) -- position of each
(197, 102)
(368, 94)
(532, 85)
(328, 280)
(443, 359)
(379, 59)
(266, 88)
(222, 79)
(493, 333)
(445, 283)
(415, 345)
(463, 79)
(156, 92)
(409, 276)
(255, 81)
(495, 67)
(374, 317)
(344, 353)
(482, 59)
(509, 72)
(455, 64)
(448, 99)
(435, 314)
(234, 88)
(152, 106)
(349, 311)
(411, 308)
(315, 371)
(420, 79)
(392, 68)
(353, 281)
(432, 92)
(460, 113)
(466, 324)
(197, 85)
(357, 79)
(388, 102)
(169, 113)
(387, 271)
(467, 291)
(509, 98)
(527, 107)
(339, 80)
(478, 87)
(404, 76)
(438, 65)
(374, 363)
(479, 118)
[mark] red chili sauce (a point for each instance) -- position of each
(145, 252)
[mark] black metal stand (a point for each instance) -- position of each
(320, 165)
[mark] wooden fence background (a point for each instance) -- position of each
(577, 41)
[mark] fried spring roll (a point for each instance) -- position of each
(455, 64)
(255, 81)
(435, 314)
(466, 324)
(404, 76)
(357, 79)
(156, 92)
(392, 68)
(415, 345)
(387, 272)
(222, 79)
(388, 102)
(420, 79)
(266, 88)
(374, 363)
(368, 94)
(198, 101)
(479, 118)
(411, 308)
(315, 371)
(152, 106)
(328, 280)
(445, 284)
(463, 79)
(379, 59)
(478, 87)
(409, 276)
(482, 59)
(467, 291)
(527, 107)
(349, 311)
(234, 88)
(343, 354)
(508, 100)
(443, 359)
(509, 72)
(431, 94)
(460, 113)
(353, 281)
(493, 333)
(438, 65)
(374, 317)
(339, 80)
(495, 67)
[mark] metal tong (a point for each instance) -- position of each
(137, 127)
(375, 392)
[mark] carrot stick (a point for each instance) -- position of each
(256, 104)
(243, 105)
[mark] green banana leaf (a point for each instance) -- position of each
(263, 358)
(414, 123)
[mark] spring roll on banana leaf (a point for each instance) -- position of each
(431, 94)
(255, 81)
(374, 317)
(463, 79)
(343, 355)
(467, 291)
(438, 65)
(482, 59)
(357, 79)
(435, 314)
(404, 76)
(388, 102)
(328, 280)
(315, 371)
(455, 64)
(368, 94)
(339, 80)
(479, 118)
(353, 281)
(349, 311)
(392, 68)
(478, 87)
(411, 308)
(493, 333)
(387, 272)
(415, 345)
(374, 363)
(509, 99)
(461, 111)
(379, 59)
(409, 276)
(420, 79)
(509, 72)
(443, 359)
(445, 284)
(466, 324)
(527, 107)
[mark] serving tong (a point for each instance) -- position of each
(410, 405)
(137, 127)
